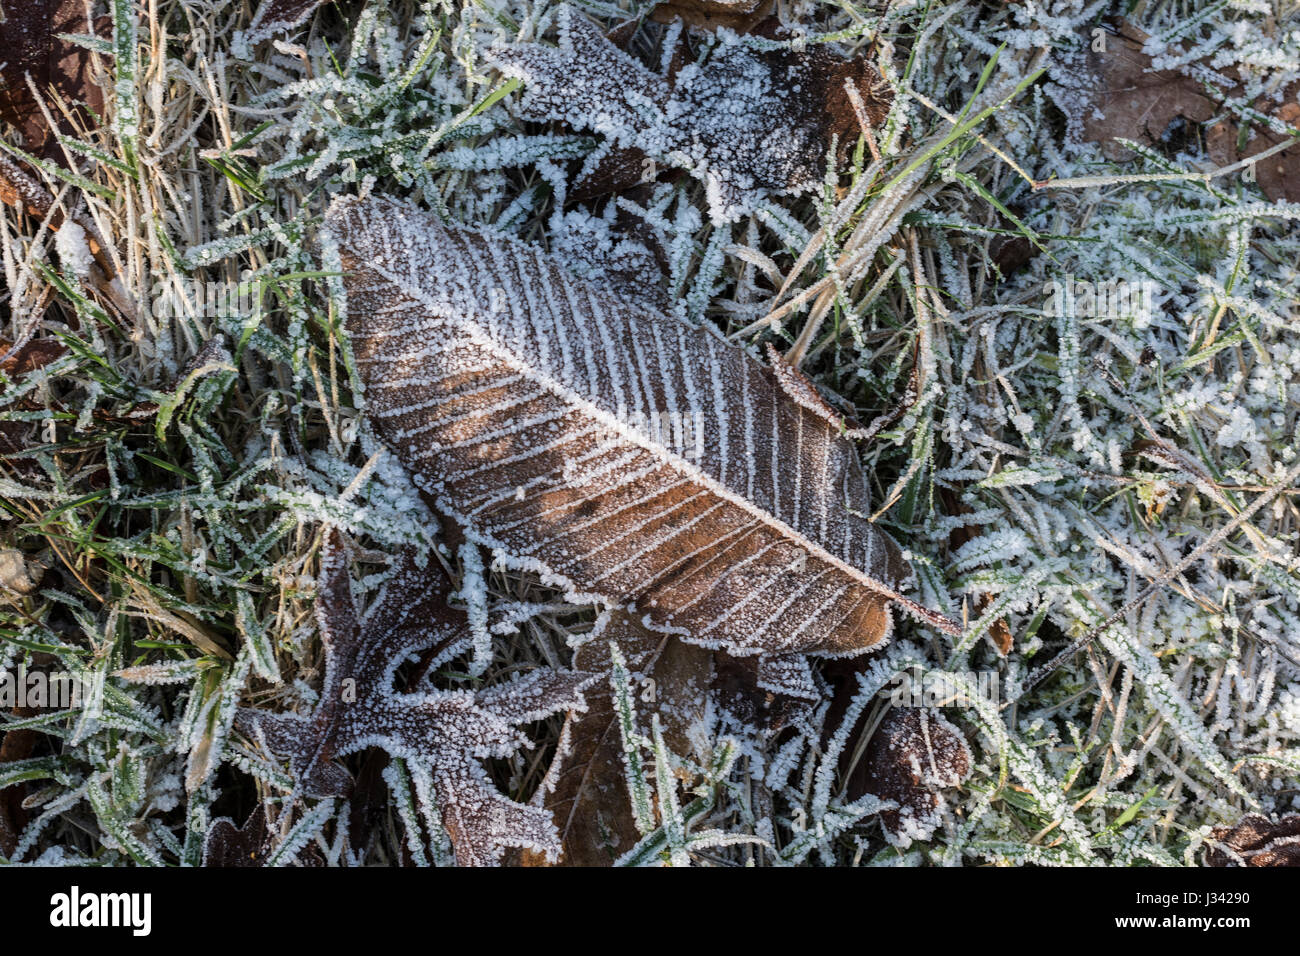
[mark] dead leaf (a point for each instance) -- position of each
(452, 730)
(36, 61)
(33, 48)
(1256, 841)
(913, 756)
(16, 436)
(228, 845)
(1278, 175)
(585, 787)
(250, 845)
(744, 121)
(1115, 94)
(17, 573)
(738, 15)
(746, 689)
(621, 452)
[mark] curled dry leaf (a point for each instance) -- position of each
(1256, 841)
(452, 730)
(586, 785)
(14, 573)
(744, 121)
(622, 453)
(913, 756)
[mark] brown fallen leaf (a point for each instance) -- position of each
(620, 452)
(16, 436)
(755, 697)
(1115, 93)
(32, 48)
(739, 15)
(586, 785)
(1256, 840)
(744, 121)
(913, 756)
(1278, 175)
(36, 61)
(453, 731)
(35, 58)
(279, 16)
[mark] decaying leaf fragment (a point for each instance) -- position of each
(1114, 93)
(15, 435)
(622, 453)
(33, 49)
(1278, 175)
(738, 15)
(452, 730)
(249, 845)
(744, 121)
(36, 62)
(913, 756)
(585, 787)
(1256, 841)
(227, 845)
(277, 16)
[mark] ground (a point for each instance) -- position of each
(1045, 249)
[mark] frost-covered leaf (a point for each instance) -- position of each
(450, 730)
(738, 15)
(33, 49)
(249, 845)
(1116, 93)
(913, 756)
(621, 453)
(586, 785)
(743, 121)
(1256, 841)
